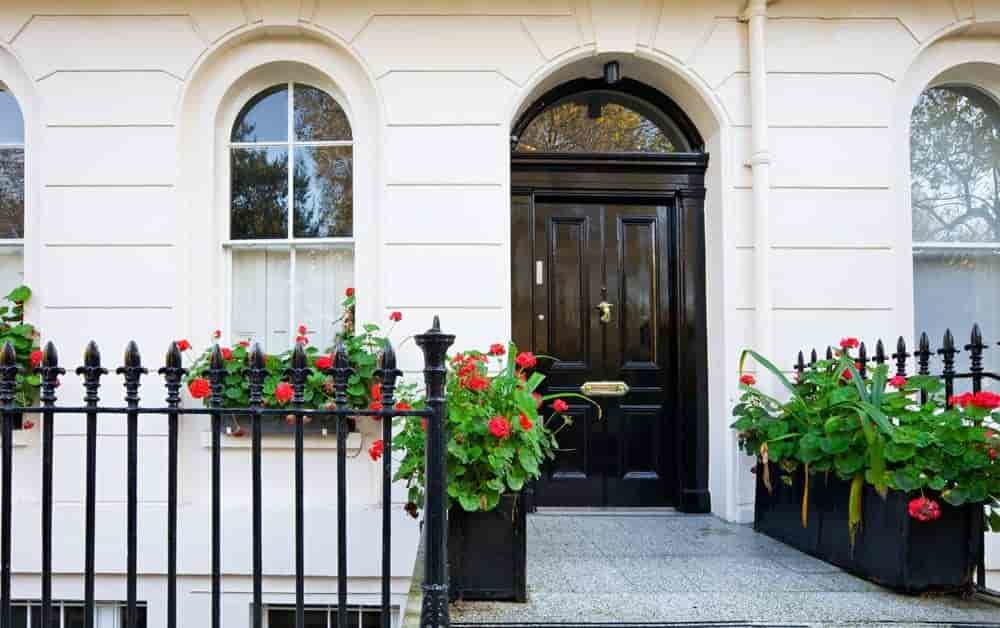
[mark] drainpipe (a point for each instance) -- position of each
(760, 164)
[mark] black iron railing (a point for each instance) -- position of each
(948, 374)
(434, 344)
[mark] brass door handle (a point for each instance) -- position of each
(605, 309)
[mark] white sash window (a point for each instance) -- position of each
(290, 252)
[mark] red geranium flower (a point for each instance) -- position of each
(497, 349)
(283, 392)
(467, 369)
(847, 374)
(526, 423)
(897, 382)
(324, 362)
(396, 317)
(993, 454)
(477, 383)
(376, 391)
(199, 388)
(227, 353)
(302, 340)
(349, 293)
(376, 405)
(303, 330)
(526, 360)
(849, 343)
(560, 406)
(923, 509)
(376, 450)
(748, 380)
(217, 334)
(27, 424)
(960, 400)
(402, 405)
(499, 427)
(36, 357)
(183, 345)
(244, 343)
(986, 400)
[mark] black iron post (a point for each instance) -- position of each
(434, 611)
(389, 374)
(172, 372)
(257, 373)
(8, 387)
(91, 372)
(132, 370)
(298, 374)
(49, 371)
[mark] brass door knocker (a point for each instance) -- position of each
(605, 309)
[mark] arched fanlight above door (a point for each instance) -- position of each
(593, 116)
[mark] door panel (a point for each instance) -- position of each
(569, 246)
(593, 250)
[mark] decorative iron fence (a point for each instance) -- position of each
(949, 374)
(434, 345)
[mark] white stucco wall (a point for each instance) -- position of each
(123, 103)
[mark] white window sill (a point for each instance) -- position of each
(280, 441)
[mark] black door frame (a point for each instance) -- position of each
(680, 179)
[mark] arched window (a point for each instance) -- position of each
(591, 116)
(291, 215)
(11, 193)
(955, 192)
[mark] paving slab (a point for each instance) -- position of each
(671, 569)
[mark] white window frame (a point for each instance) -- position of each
(290, 243)
(18, 243)
(59, 606)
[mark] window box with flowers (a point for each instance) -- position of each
(362, 348)
(857, 471)
(500, 432)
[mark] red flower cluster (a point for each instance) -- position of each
(376, 450)
(324, 362)
(924, 509)
(984, 399)
(469, 374)
(283, 392)
(36, 357)
(526, 423)
(748, 380)
(500, 427)
(227, 353)
(396, 317)
(27, 424)
(199, 388)
(497, 349)
(349, 293)
(849, 343)
(183, 345)
(526, 360)
(560, 406)
(897, 382)
(217, 334)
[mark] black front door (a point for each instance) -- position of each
(602, 306)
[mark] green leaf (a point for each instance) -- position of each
(528, 460)
(899, 452)
(19, 294)
(469, 503)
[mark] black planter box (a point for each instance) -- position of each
(487, 552)
(890, 548)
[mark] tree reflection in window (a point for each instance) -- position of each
(601, 121)
(954, 151)
(11, 168)
(302, 130)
